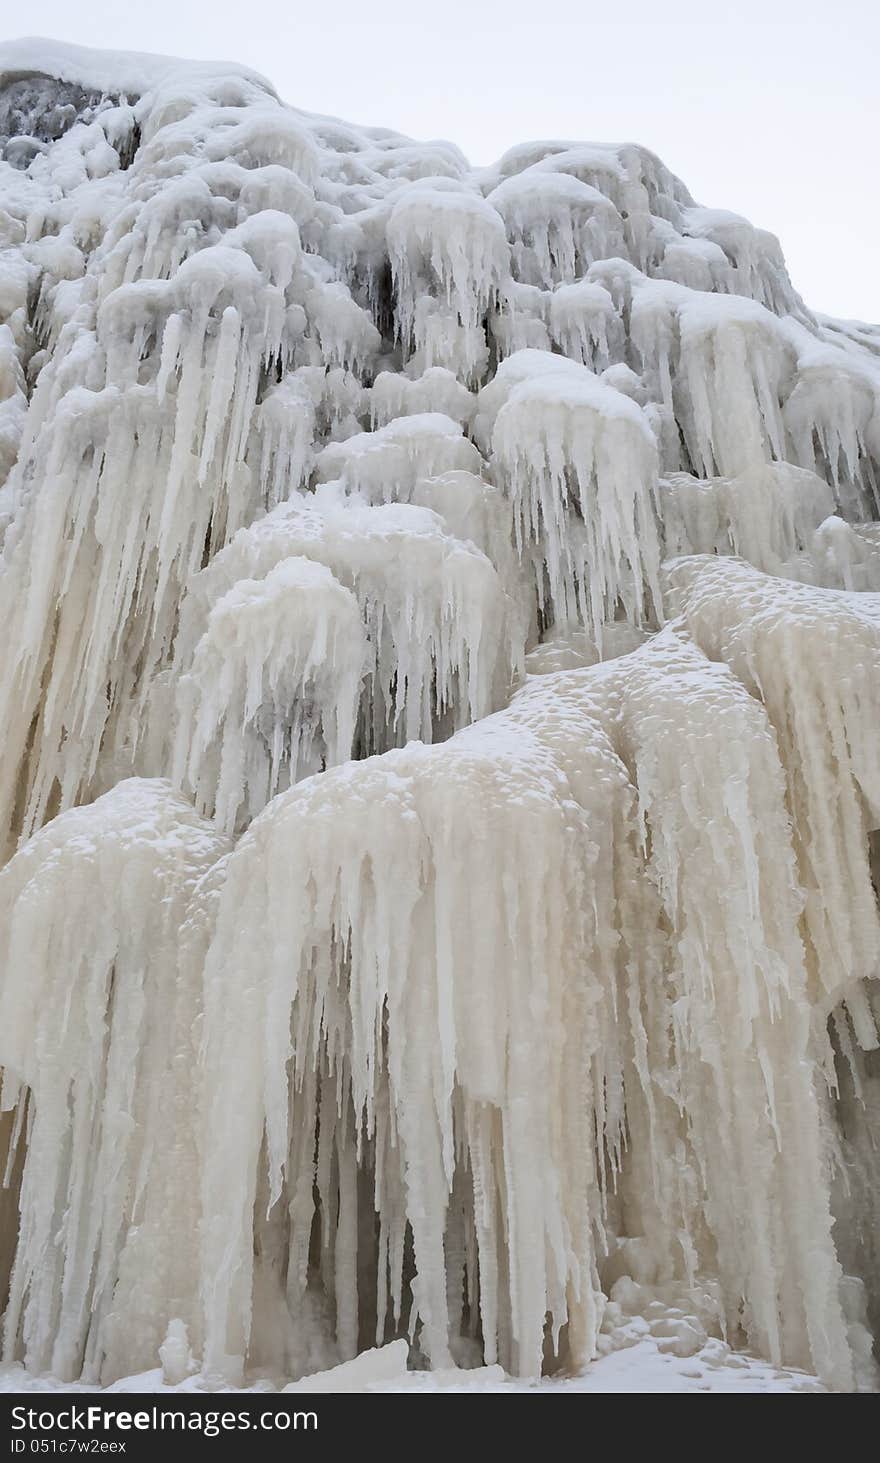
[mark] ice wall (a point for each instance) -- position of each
(441, 789)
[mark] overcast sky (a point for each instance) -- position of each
(771, 111)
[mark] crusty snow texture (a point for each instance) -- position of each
(441, 778)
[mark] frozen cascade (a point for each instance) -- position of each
(435, 391)
(769, 515)
(841, 556)
(781, 638)
(745, 386)
(448, 255)
(581, 461)
(91, 1028)
(273, 690)
(135, 488)
(441, 792)
(545, 775)
(438, 632)
(557, 226)
(385, 465)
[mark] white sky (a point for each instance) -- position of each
(770, 110)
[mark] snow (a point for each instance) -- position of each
(105, 71)
(440, 796)
(666, 1350)
(640, 1366)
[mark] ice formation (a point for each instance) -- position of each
(441, 788)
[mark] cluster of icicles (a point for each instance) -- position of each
(440, 709)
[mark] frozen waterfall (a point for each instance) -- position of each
(440, 793)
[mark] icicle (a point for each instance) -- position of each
(841, 556)
(782, 639)
(434, 392)
(583, 321)
(711, 794)
(383, 466)
(91, 915)
(767, 515)
(557, 226)
(273, 691)
(286, 423)
(411, 947)
(443, 636)
(581, 463)
(448, 243)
